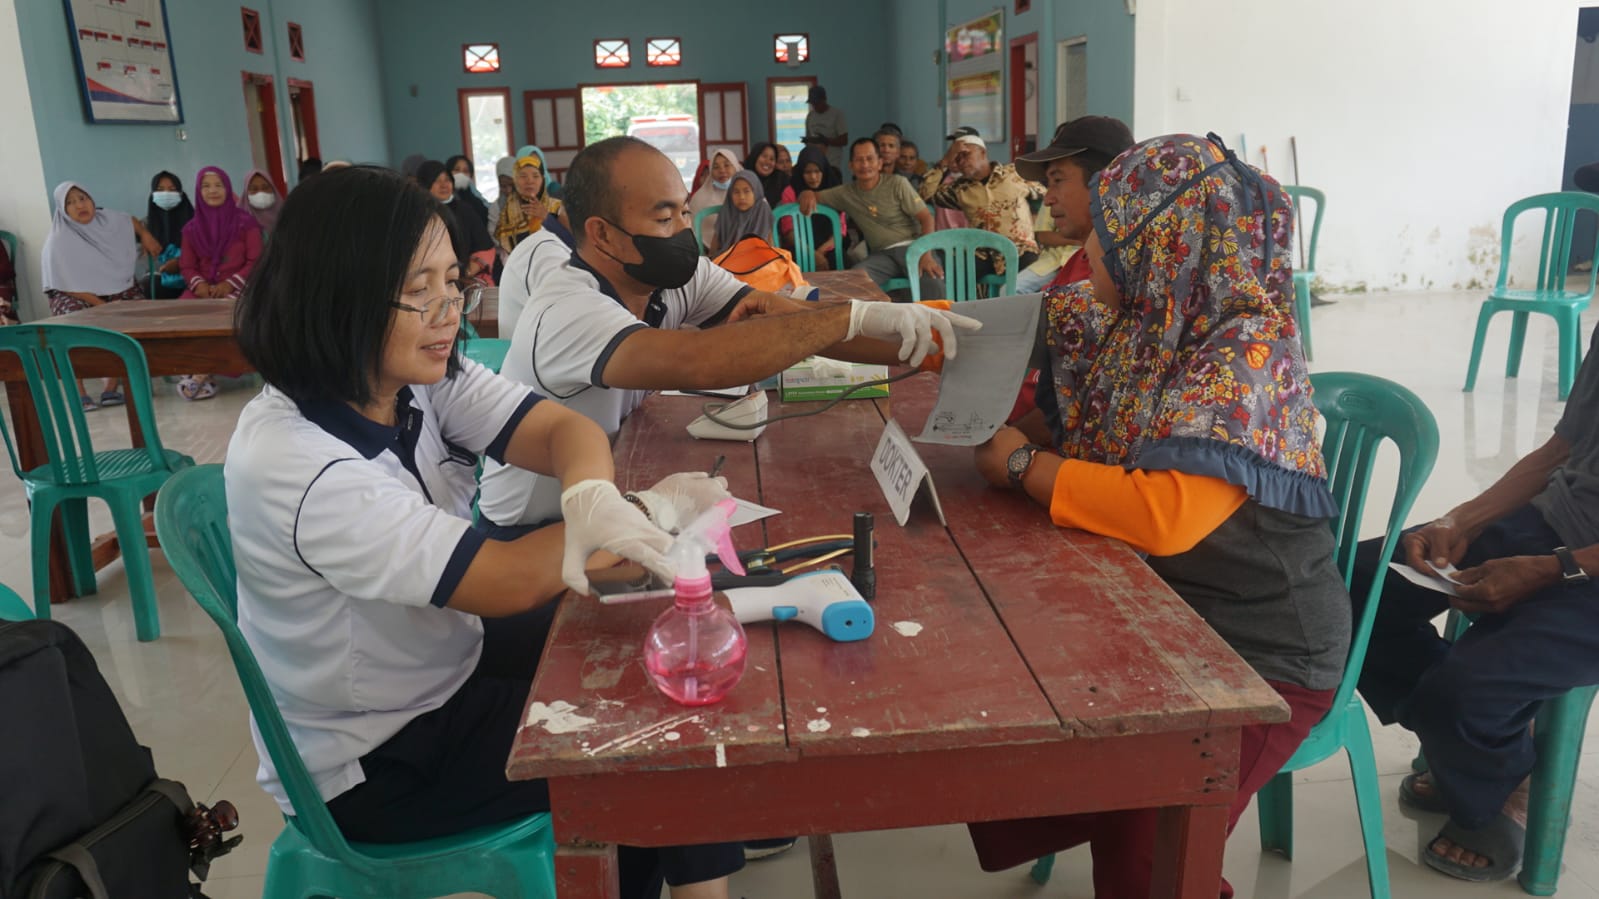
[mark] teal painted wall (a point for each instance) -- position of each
(115, 161)
(917, 80)
(550, 46)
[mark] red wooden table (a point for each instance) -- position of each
(1017, 670)
(178, 337)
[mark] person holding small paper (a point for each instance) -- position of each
(1175, 414)
(1527, 546)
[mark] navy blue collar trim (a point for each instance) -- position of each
(368, 437)
(654, 310)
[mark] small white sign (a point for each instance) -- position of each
(901, 472)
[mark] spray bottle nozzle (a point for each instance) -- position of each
(709, 533)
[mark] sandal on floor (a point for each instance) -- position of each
(111, 398)
(1500, 840)
(89, 405)
(1430, 802)
(195, 389)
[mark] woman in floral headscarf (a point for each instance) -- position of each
(1175, 414)
(529, 207)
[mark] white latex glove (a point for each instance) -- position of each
(912, 324)
(680, 498)
(597, 517)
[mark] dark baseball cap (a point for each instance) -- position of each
(817, 92)
(1101, 134)
(962, 131)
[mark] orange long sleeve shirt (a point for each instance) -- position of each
(1162, 513)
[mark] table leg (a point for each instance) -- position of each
(586, 871)
(1190, 841)
(824, 867)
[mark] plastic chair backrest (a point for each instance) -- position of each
(1554, 253)
(960, 246)
(1299, 195)
(699, 222)
(191, 522)
(12, 608)
(1362, 411)
(52, 384)
(805, 236)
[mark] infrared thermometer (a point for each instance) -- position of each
(825, 600)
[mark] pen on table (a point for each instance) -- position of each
(716, 466)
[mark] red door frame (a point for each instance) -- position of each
(576, 95)
(700, 106)
(1018, 92)
(270, 135)
(771, 99)
(313, 146)
(461, 95)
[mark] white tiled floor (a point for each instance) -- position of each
(184, 700)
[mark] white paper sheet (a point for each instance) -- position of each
(748, 512)
(1439, 582)
(978, 387)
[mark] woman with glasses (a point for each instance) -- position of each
(398, 640)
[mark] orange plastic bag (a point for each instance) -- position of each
(761, 265)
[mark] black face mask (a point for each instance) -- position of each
(668, 262)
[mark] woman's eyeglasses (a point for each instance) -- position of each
(436, 312)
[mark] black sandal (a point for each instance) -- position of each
(1500, 840)
(1431, 802)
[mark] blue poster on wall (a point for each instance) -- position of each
(124, 55)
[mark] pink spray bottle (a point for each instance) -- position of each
(695, 651)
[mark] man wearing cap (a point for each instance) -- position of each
(992, 197)
(1079, 149)
(825, 125)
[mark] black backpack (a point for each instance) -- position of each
(83, 812)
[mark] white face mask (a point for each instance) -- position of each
(263, 200)
(449, 199)
(722, 185)
(463, 181)
(166, 199)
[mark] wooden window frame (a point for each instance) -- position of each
(626, 49)
(466, 66)
(663, 65)
(296, 42)
(1023, 6)
(777, 42)
(251, 20)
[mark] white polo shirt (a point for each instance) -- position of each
(516, 281)
(570, 327)
(349, 537)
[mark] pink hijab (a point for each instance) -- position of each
(214, 228)
(267, 218)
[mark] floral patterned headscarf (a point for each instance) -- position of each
(1201, 370)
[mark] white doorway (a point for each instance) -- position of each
(1071, 79)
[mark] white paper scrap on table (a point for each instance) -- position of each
(748, 512)
(1426, 579)
(977, 388)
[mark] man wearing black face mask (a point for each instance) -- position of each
(637, 308)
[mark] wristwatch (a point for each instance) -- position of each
(1570, 571)
(1020, 460)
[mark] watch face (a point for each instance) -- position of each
(1018, 461)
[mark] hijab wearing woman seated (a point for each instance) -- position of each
(744, 213)
(1197, 365)
(94, 253)
(261, 200)
(169, 209)
(763, 162)
(723, 166)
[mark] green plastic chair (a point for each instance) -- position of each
(12, 608)
(699, 225)
(1305, 273)
(959, 246)
(1549, 295)
(488, 352)
(805, 238)
(77, 472)
(1557, 744)
(1361, 411)
(311, 857)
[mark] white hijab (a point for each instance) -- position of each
(97, 257)
(709, 194)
